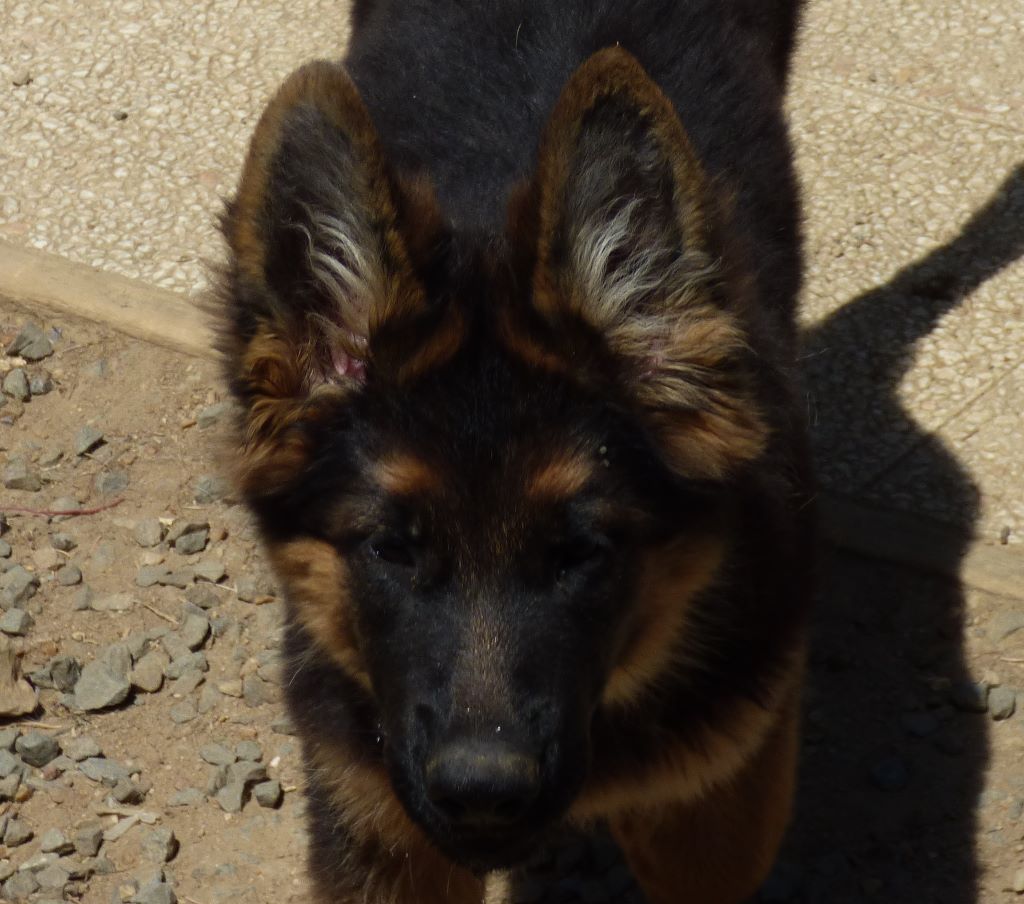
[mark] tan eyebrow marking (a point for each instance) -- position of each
(403, 474)
(560, 477)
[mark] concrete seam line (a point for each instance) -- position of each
(36, 278)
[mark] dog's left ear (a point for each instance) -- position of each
(319, 261)
(626, 243)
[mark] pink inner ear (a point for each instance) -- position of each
(348, 366)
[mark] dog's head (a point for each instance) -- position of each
(492, 473)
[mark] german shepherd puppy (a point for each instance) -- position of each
(509, 313)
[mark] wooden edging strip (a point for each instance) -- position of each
(32, 277)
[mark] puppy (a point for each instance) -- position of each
(509, 313)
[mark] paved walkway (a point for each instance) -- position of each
(125, 124)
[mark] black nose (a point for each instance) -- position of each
(482, 784)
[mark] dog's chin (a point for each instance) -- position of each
(483, 853)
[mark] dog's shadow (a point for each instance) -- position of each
(891, 771)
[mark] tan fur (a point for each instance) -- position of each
(315, 577)
(398, 864)
(669, 580)
(719, 848)
(679, 346)
(405, 475)
(688, 773)
(559, 478)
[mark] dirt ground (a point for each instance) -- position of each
(912, 790)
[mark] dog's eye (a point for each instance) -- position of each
(577, 554)
(393, 551)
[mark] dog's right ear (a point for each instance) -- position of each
(316, 262)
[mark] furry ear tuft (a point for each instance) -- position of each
(626, 244)
(316, 260)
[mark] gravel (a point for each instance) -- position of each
(37, 749)
(18, 832)
(160, 845)
(54, 841)
(16, 622)
(268, 794)
(969, 696)
(18, 476)
(193, 541)
(19, 586)
(1002, 702)
(100, 687)
(31, 343)
(217, 754)
(148, 674)
(88, 839)
(69, 575)
(16, 385)
(249, 750)
(82, 748)
(86, 439)
(148, 532)
(114, 602)
(104, 771)
(194, 631)
(211, 488)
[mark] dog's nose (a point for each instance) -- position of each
(482, 784)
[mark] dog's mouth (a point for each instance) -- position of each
(483, 852)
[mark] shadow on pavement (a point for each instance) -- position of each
(891, 769)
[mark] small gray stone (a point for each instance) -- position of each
(82, 600)
(249, 750)
(19, 586)
(98, 688)
(203, 596)
(148, 674)
(210, 489)
(40, 383)
(63, 542)
(232, 798)
(5, 549)
(53, 877)
(209, 697)
(54, 841)
(216, 779)
(1005, 623)
(148, 532)
(250, 589)
(256, 691)
(87, 439)
(18, 476)
(88, 839)
(183, 664)
(192, 542)
(110, 482)
(64, 672)
(246, 772)
(282, 725)
(187, 797)
(128, 792)
(9, 764)
(268, 794)
(50, 456)
(182, 526)
(1002, 701)
(38, 862)
(104, 771)
(75, 868)
(156, 893)
(183, 712)
(8, 738)
(118, 659)
(37, 749)
(16, 622)
(187, 683)
(160, 845)
(175, 646)
(211, 571)
(969, 696)
(69, 575)
(150, 575)
(16, 385)
(9, 786)
(212, 414)
(7, 869)
(20, 886)
(181, 578)
(31, 343)
(194, 631)
(17, 833)
(217, 754)
(82, 748)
